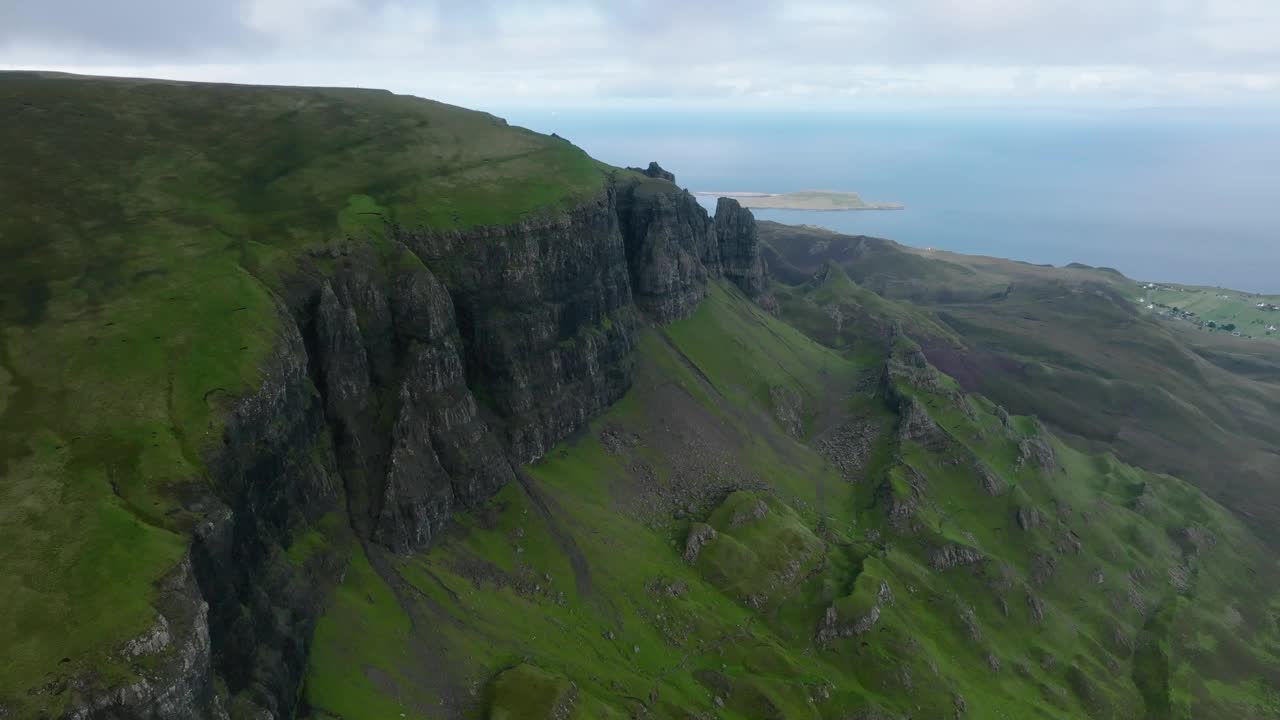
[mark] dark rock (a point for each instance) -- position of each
(655, 171)
(849, 446)
(699, 536)
(545, 315)
(914, 422)
(615, 440)
(740, 256)
(885, 595)
(671, 249)
(1068, 542)
(969, 619)
(1042, 568)
(1028, 518)
(953, 555)
(788, 409)
(992, 483)
(833, 627)
(1035, 607)
(411, 444)
(1036, 452)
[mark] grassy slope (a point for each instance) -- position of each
(568, 595)
(146, 227)
(1072, 346)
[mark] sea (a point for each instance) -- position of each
(1180, 196)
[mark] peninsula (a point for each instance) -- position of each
(815, 200)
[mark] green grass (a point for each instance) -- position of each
(527, 693)
(360, 644)
(149, 229)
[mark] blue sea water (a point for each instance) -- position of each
(1189, 197)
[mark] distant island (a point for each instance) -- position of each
(816, 200)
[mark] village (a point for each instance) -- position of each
(1241, 315)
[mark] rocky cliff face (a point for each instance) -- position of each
(672, 249)
(410, 376)
(740, 254)
(545, 313)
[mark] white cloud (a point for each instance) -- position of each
(725, 52)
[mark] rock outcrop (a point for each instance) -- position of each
(672, 249)
(699, 536)
(740, 255)
(545, 313)
(655, 171)
(175, 682)
(953, 555)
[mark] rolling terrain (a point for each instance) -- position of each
(336, 404)
(1074, 347)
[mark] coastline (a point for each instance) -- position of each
(806, 201)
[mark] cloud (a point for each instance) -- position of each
(138, 29)
(711, 52)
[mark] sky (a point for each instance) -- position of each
(729, 54)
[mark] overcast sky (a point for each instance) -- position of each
(717, 53)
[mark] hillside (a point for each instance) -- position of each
(150, 228)
(1075, 348)
(324, 403)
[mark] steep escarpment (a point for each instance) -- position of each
(672, 247)
(411, 374)
(237, 348)
(544, 308)
(274, 478)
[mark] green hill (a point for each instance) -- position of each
(328, 403)
(148, 229)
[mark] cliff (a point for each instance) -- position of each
(414, 372)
